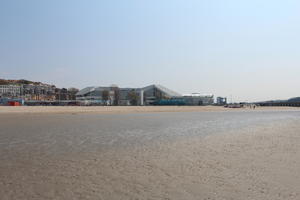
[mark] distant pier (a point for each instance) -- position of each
(287, 104)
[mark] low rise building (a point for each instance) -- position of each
(126, 96)
(149, 95)
(100, 95)
(195, 99)
(221, 100)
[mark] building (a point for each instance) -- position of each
(221, 100)
(35, 91)
(195, 99)
(129, 96)
(42, 92)
(10, 90)
(148, 95)
(99, 95)
(154, 93)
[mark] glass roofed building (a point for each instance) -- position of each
(149, 95)
(195, 99)
(126, 96)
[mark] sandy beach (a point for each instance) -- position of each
(258, 162)
(124, 109)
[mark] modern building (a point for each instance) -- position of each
(221, 100)
(149, 95)
(100, 95)
(126, 96)
(129, 96)
(198, 99)
(155, 93)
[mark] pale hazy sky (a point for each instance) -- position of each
(247, 49)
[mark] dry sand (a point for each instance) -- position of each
(123, 109)
(261, 163)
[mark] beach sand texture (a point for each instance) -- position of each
(258, 163)
(123, 109)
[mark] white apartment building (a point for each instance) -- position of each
(10, 90)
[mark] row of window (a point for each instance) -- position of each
(9, 86)
(9, 90)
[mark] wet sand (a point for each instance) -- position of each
(254, 162)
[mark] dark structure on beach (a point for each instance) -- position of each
(293, 102)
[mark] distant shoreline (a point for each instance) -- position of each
(125, 109)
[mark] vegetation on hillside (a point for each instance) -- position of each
(18, 82)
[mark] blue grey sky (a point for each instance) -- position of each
(247, 49)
